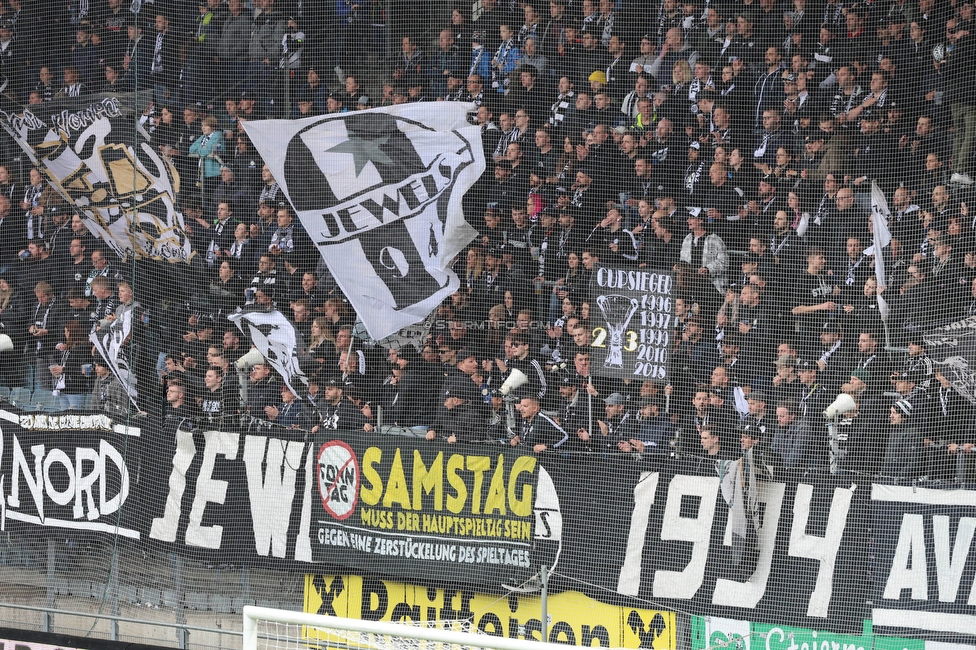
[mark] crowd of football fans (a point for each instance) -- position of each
(734, 144)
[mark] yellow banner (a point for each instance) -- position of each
(574, 618)
(456, 495)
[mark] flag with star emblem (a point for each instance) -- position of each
(379, 192)
(90, 152)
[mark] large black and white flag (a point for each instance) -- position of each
(275, 338)
(379, 192)
(111, 343)
(952, 348)
(90, 152)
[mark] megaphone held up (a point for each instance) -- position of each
(515, 379)
(252, 358)
(843, 404)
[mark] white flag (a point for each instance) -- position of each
(111, 345)
(880, 214)
(379, 192)
(275, 338)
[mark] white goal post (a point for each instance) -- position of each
(276, 629)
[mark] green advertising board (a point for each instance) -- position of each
(713, 632)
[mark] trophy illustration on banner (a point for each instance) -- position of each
(617, 310)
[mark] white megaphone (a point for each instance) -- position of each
(515, 379)
(5, 343)
(843, 404)
(252, 358)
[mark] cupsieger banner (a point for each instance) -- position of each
(90, 152)
(423, 512)
(632, 311)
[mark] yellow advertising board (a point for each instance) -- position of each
(574, 618)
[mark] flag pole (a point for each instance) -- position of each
(589, 399)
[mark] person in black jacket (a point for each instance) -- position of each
(652, 431)
(221, 234)
(860, 433)
(217, 400)
(164, 66)
(903, 452)
(70, 367)
(616, 426)
(517, 350)
(13, 234)
(227, 289)
(538, 431)
(263, 390)
(44, 325)
(409, 402)
(957, 71)
(177, 410)
(338, 412)
(13, 58)
(459, 419)
(711, 446)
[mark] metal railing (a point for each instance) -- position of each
(114, 591)
(183, 630)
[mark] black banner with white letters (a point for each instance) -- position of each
(406, 509)
(69, 475)
(662, 536)
(635, 311)
(926, 579)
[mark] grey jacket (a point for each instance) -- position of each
(234, 38)
(795, 446)
(109, 397)
(903, 452)
(266, 38)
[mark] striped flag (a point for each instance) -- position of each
(111, 345)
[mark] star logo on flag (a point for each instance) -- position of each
(363, 151)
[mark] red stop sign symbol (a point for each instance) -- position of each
(338, 478)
